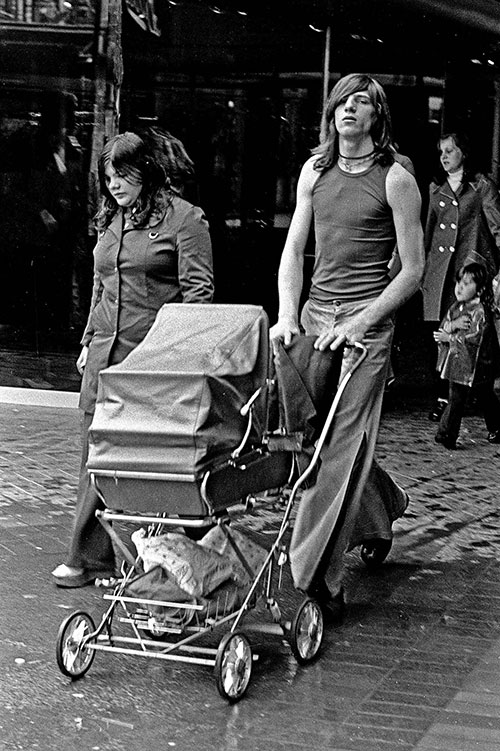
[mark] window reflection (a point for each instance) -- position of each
(49, 12)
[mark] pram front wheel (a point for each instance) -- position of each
(74, 658)
(306, 632)
(233, 666)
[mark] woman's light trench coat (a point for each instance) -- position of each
(461, 227)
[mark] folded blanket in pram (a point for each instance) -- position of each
(198, 568)
(195, 569)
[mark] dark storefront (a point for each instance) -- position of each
(46, 115)
(242, 84)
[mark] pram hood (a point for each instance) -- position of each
(173, 405)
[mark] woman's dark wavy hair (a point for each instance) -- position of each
(381, 132)
(130, 158)
(173, 157)
(482, 279)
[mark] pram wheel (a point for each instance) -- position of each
(306, 632)
(374, 552)
(233, 666)
(73, 656)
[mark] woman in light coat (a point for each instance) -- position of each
(463, 226)
(153, 248)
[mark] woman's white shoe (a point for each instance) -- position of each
(62, 571)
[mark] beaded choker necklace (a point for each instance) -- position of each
(345, 161)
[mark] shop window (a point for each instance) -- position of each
(49, 12)
(435, 109)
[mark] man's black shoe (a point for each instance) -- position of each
(445, 441)
(374, 552)
(333, 609)
(332, 606)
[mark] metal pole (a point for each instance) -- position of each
(495, 150)
(326, 80)
(108, 72)
(326, 64)
(115, 67)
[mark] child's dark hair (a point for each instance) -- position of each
(482, 279)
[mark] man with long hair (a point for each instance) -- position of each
(362, 202)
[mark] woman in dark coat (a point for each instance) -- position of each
(153, 248)
(463, 226)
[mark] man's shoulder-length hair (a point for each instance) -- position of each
(381, 131)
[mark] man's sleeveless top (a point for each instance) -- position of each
(355, 235)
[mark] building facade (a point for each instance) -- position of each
(242, 84)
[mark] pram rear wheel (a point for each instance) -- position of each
(306, 632)
(374, 552)
(233, 666)
(73, 656)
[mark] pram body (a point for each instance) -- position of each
(171, 411)
(186, 429)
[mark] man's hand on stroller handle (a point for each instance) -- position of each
(350, 333)
(284, 330)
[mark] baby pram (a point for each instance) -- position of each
(187, 429)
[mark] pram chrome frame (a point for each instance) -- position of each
(79, 639)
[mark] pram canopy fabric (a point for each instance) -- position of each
(173, 405)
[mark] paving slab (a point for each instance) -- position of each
(414, 666)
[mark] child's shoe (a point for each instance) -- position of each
(437, 410)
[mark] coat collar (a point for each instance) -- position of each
(445, 189)
(116, 224)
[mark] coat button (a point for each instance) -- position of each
(454, 203)
(441, 249)
(442, 226)
(452, 249)
(453, 225)
(442, 203)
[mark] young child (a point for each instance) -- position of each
(466, 343)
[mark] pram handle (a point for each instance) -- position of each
(244, 411)
(358, 345)
(338, 394)
(331, 414)
(246, 407)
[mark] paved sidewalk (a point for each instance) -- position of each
(415, 665)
